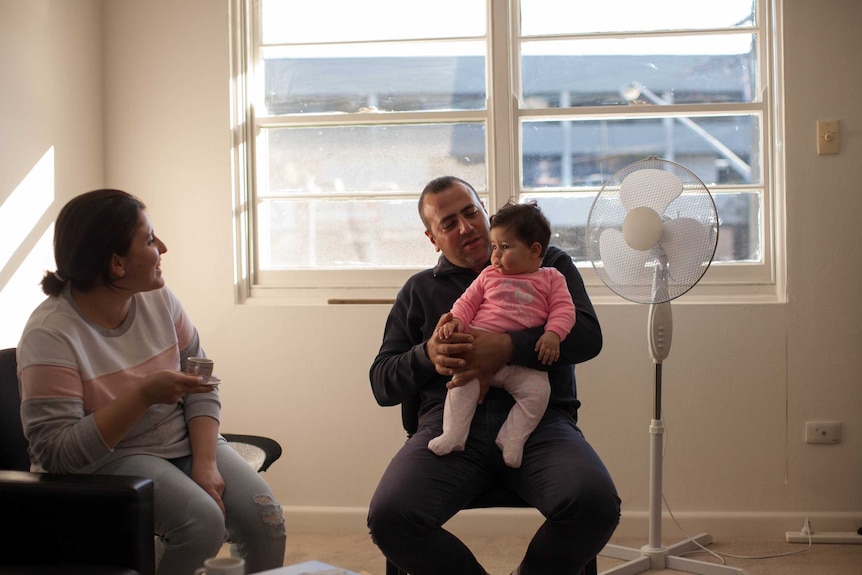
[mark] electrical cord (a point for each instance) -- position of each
(720, 555)
(806, 528)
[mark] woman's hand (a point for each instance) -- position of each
(203, 434)
(167, 387)
(208, 477)
(162, 387)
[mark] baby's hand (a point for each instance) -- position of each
(447, 329)
(548, 347)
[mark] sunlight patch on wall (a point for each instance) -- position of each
(20, 296)
(23, 258)
(27, 203)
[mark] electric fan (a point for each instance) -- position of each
(651, 235)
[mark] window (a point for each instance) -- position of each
(345, 110)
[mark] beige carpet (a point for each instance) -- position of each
(500, 554)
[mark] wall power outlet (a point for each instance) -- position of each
(822, 432)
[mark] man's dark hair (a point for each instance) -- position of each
(526, 221)
(438, 185)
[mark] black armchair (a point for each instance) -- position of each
(88, 524)
(53, 524)
(66, 524)
(498, 497)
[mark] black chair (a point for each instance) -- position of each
(66, 524)
(260, 452)
(87, 513)
(496, 497)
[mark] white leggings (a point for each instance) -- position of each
(531, 391)
(190, 526)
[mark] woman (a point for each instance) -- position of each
(101, 365)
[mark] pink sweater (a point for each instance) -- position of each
(69, 368)
(500, 303)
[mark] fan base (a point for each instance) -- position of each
(647, 558)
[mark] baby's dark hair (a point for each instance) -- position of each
(526, 221)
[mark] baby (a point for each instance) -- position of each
(514, 292)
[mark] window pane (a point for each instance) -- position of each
(369, 159)
(417, 76)
(584, 153)
(567, 214)
(739, 234)
(739, 214)
(337, 172)
(658, 71)
(333, 234)
(580, 16)
(312, 21)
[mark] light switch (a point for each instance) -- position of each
(828, 137)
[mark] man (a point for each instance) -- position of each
(560, 473)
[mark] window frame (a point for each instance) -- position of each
(503, 117)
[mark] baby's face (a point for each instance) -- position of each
(510, 255)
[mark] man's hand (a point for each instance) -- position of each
(488, 354)
(448, 355)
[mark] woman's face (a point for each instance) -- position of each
(140, 269)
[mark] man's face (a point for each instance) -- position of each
(458, 226)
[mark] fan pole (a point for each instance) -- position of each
(654, 555)
(659, 335)
(656, 430)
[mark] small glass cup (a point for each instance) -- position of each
(202, 366)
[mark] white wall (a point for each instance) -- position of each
(740, 381)
(51, 137)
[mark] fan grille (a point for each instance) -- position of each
(648, 277)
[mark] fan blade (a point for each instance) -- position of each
(689, 246)
(623, 264)
(649, 187)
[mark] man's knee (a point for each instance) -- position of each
(392, 519)
(595, 502)
(606, 510)
(601, 509)
(385, 527)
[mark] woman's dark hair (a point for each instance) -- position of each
(90, 229)
(526, 221)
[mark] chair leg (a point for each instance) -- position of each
(591, 568)
(391, 569)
